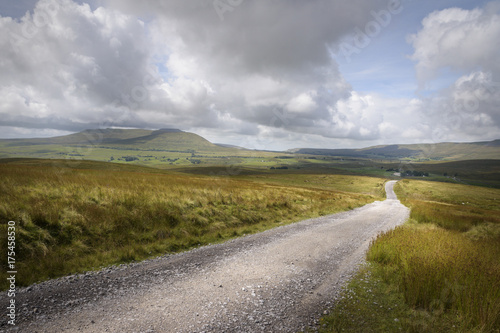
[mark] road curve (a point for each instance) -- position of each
(275, 281)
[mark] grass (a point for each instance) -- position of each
(348, 183)
(445, 273)
(370, 303)
(440, 271)
(76, 216)
(451, 206)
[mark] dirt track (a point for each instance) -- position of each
(276, 281)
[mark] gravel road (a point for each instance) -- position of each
(280, 280)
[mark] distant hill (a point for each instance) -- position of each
(171, 139)
(91, 136)
(157, 148)
(422, 152)
(176, 147)
(162, 139)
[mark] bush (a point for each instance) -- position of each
(130, 158)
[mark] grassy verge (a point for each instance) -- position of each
(370, 303)
(440, 272)
(70, 220)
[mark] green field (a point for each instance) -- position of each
(159, 149)
(74, 216)
(439, 272)
(467, 163)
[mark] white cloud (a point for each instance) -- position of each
(375, 118)
(460, 39)
(302, 103)
(467, 42)
(473, 106)
(69, 64)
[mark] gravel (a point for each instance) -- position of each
(281, 280)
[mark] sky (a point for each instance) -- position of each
(260, 74)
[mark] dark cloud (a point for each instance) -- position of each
(268, 37)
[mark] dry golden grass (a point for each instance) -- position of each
(439, 272)
(70, 220)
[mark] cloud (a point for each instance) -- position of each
(67, 62)
(467, 109)
(261, 71)
(259, 37)
(264, 58)
(302, 103)
(372, 117)
(68, 66)
(464, 40)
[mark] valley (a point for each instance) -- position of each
(173, 149)
(97, 201)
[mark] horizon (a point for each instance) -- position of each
(264, 76)
(227, 144)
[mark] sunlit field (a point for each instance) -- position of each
(72, 216)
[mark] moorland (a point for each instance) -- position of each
(110, 196)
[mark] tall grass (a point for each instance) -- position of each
(439, 272)
(449, 259)
(71, 220)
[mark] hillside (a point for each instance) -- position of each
(417, 152)
(163, 139)
(157, 148)
(134, 138)
(173, 148)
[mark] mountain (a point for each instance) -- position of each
(170, 139)
(86, 137)
(421, 152)
(166, 139)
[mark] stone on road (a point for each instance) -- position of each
(276, 281)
